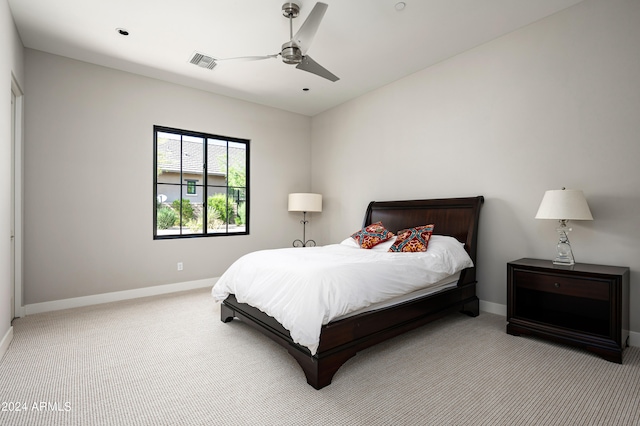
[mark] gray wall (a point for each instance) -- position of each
(554, 104)
(89, 174)
(11, 63)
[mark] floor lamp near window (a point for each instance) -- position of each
(305, 203)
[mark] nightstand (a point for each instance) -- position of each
(582, 305)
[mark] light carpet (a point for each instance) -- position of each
(169, 360)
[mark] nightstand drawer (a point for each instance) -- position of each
(576, 287)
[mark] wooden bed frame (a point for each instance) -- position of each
(342, 339)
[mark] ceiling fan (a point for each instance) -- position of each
(294, 51)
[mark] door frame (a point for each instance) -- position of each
(17, 160)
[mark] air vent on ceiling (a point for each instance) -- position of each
(202, 60)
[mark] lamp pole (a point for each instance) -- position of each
(304, 242)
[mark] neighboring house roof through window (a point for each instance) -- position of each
(192, 156)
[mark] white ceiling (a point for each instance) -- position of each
(367, 43)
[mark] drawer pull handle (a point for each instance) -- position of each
(556, 285)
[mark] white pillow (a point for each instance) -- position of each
(450, 253)
(383, 246)
(350, 242)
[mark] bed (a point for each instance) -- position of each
(342, 338)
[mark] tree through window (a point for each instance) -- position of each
(200, 184)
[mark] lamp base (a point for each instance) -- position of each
(565, 254)
(300, 243)
(304, 242)
(565, 261)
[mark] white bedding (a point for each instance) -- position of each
(444, 284)
(304, 288)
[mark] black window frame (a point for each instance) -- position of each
(182, 184)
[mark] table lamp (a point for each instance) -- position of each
(564, 205)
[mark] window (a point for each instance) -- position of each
(200, 185)
(191, 187)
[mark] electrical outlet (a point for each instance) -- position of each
(180, 266)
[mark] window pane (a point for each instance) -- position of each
(216, 162)
(192, 157)
(238, 209)
(237, 174)
(168, 157)
(184, 209)
(236, 181)
(217, 210)
(167, 219)
(191, 213)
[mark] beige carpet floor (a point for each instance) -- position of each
(168, 360)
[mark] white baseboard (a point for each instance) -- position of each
(498, 309)
(19, 312)
(6, 341)
(96, 299)
(493, 308)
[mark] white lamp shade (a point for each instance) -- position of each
(305, 202)
(564, 204)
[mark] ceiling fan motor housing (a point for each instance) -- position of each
(291, 53)
(290, 10)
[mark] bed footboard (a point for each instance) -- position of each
(342, 340)
(319, 370)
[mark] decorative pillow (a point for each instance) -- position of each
(372, 235)
(413, 239)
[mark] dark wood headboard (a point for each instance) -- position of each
(456, 217)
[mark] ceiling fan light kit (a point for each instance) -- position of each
(291, 54)
(294, 51)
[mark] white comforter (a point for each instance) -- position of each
(304, 288)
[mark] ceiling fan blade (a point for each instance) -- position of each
(307, 31)
(247, 58)
(309, 65)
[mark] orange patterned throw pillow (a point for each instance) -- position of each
(413, 239)
(372, 235)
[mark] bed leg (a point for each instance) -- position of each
(226, 313)
(320, 372)
(471, 308)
